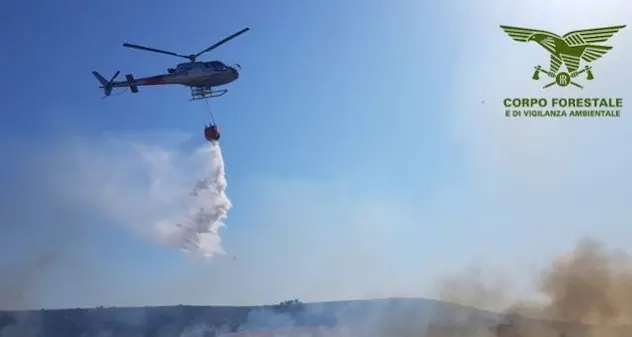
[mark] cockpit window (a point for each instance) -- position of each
(216, 65)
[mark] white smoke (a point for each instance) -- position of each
(195, 225)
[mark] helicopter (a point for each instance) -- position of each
(201, 77)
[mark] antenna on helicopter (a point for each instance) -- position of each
(192, 57)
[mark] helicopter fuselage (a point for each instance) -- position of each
(191, 74)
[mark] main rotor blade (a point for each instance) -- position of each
(223, 41)
(135, 46)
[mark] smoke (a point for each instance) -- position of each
(195, 227)
(150, 184)
(476, 288)
(38, 236)
(591, 285)
(18, 278)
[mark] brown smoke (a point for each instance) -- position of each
(588, 289)
(591, 285)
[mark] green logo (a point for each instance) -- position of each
(568, 50)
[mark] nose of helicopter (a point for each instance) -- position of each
(235, 70)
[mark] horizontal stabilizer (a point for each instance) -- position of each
(130, 80)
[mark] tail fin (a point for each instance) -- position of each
(105, 84)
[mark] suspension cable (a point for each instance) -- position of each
(210, 113)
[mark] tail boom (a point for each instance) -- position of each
(130, 82)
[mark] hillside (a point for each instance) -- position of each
(366, 318)
(365, 315)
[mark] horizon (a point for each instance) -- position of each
(253, 305)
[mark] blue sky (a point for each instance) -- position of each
(360, 159)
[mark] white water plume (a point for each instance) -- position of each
(195, 226)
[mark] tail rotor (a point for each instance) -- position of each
(105, 84)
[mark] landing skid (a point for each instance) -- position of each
(206, 92)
